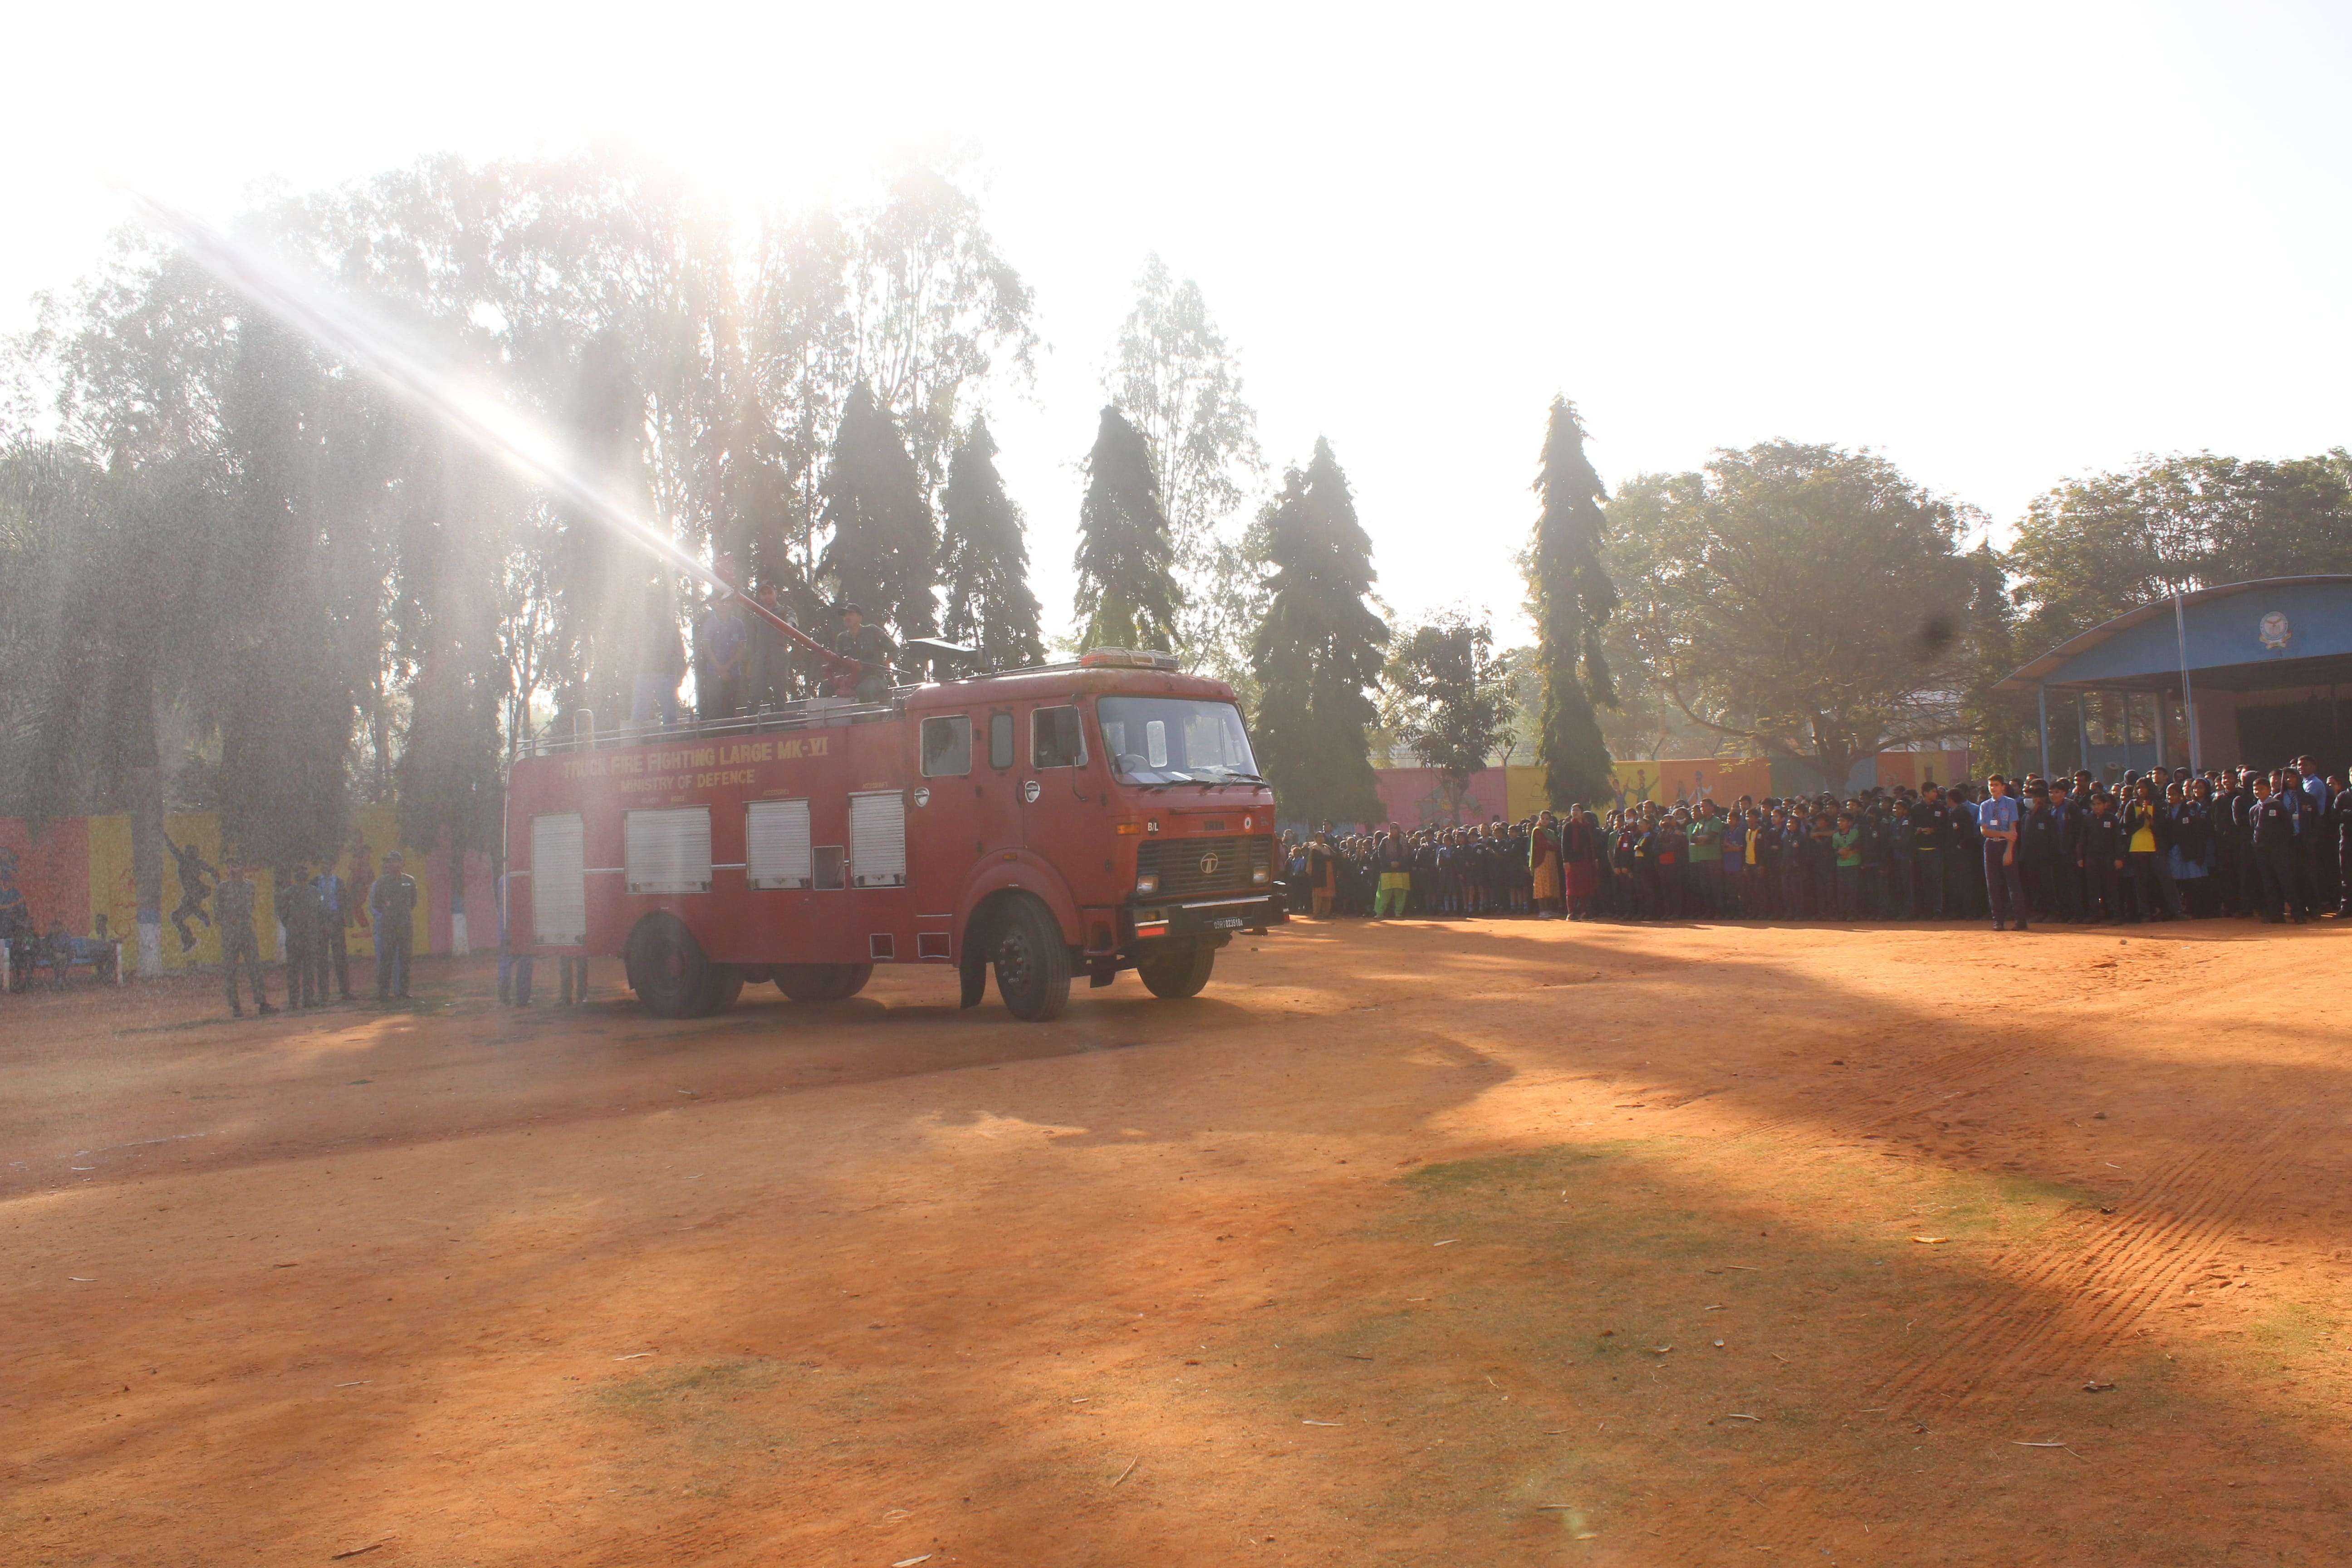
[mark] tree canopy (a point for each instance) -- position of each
(1317, 654)
(1570, 598)
(1127, 592)
(1449, 699)
(884, 542)
(2094, 547)
(1806, 599)
(1178, 382)
(985, 560)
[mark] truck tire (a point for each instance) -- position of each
(667, 968)
(1032, 962)
(719, 993)
(1173, 975)
(822, 982)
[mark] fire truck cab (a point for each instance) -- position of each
(1083, 817)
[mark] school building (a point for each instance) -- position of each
(2244, 675)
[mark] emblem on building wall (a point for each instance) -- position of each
(2275, 631)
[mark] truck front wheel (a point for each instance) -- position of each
(1174, 973)
(1032, 962)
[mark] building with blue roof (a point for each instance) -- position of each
(2246, 674)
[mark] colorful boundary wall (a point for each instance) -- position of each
(1413, 795)
(79, 868)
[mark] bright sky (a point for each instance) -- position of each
(2000, 243)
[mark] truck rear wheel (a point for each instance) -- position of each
(667, 968)
(719, 993)
(1173, 975)
(821, 981)
(1032, 962)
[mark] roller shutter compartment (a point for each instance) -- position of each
(878, 839)
(776, 844)
(667, 851)
(559, 880)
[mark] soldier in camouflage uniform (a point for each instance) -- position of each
(233, 920)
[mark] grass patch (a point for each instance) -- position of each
(683, 1397)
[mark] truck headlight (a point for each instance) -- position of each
(1149, 882)
(1260, 875)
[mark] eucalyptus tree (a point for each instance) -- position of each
(1177, 381)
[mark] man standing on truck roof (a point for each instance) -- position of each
(870, 647)
(770, 665)
(721, 648)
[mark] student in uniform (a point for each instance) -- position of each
(1788, 835)
(2339, 820)
(1393, 858)
(1736, 895)
(2146, 840)
(1965, 888)
(2190, 854)
(1669, 852)
(2103, 862)
(1821, 864)
(1706, 875)
(1931, 829)
(2040, 847)
(1845, 844)
(2273, 819)
(2070, 813)
(1624, 866)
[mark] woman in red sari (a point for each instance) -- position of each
(1579, 854)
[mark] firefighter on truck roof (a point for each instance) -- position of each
(870, 647)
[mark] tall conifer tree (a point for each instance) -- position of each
(985, 560)
(1317, 653)
(1571, 599)
(884, 543)
(1127, 589)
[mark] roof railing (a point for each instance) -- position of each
(578, 731)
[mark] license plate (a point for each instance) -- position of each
(1226, 922)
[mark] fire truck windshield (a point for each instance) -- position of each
(1170, 740)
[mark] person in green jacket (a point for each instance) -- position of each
(1845, 843)
(1707, 861)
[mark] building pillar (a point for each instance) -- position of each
(2042, 700)
(2217, 728)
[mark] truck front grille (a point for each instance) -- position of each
(1187, 866)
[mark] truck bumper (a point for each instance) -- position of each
(1191, 918)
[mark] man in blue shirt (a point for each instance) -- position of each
(333, 949)
(1997, 825)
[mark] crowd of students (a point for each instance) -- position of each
(2159, 846)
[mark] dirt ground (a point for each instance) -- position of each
(1424, 1244)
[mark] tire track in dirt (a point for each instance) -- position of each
(2080, 1291)
(2055, 1309)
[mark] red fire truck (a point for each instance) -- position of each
(1083, 817)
